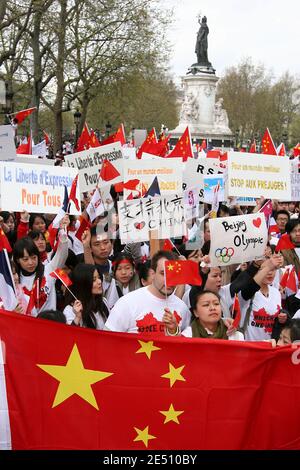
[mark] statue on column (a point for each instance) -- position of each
(202, 43)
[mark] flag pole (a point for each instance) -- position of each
(58, 276)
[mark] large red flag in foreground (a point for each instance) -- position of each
(76, 388)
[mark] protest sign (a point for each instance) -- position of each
(191, 204)
(7, 143)
(89, 163)
(235, 240)
(258, 175)
(295, 186)
(36, 160)
(163, 216)
(168, 172)
(194, 172)
(129, 153)
(35, 188)
(210, 184)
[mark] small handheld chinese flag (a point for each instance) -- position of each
(168, 245)
(62, 276)
(108, 172)
(84, 225)
(285, 243)
(236, 312)
(267, 144)
(72, 196)
(182, 272)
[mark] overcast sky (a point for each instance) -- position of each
(266, 30)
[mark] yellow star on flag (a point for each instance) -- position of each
(147, 348)
(143, 435)
(170, 267)
(171, 415)
(174, 374)
(74, 379)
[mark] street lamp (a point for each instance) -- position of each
(285, 139)
(77, 116)
(237, 133)
(108, 128)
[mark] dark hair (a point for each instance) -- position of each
(36, 235)
(284, 212)
(294, 327)
(54, 315)
(185, 252)
(223, 208)
(199, 294)
(121, 257)
(82, 284)
(6, 215)
(206, 248)
(291, 225)
(33, 217)
(162, 254)
(143, 270)
(27, 244)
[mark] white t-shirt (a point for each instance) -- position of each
(142, 312)
(262, 316)
(237, 336)
(70, 316)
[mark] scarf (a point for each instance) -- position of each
(200, 332)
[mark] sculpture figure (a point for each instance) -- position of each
(202, 44)
(189, 110)
(221, 117)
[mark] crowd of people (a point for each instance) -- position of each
(122, 287)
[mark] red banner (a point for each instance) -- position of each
(74, 388)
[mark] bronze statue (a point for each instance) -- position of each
(201, 43)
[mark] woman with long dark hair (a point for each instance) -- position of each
(38, 285)
(90, 309)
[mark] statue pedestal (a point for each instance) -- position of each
(198, 109)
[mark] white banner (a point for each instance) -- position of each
(295, 184)
(164, 216)
(7, 143)
(168, 173)
(89, 163)
(35, 188)
(36, 160)
(254, 175)
(235, 240)
(195, 170)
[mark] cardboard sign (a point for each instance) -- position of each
(195, 170)
(168, 173)
(295, 186)
(89, 163)
(164, 216)
(259, 175)
(191, 204)
(210, 184)
(235, 240)
(35, 188)
(7, 143)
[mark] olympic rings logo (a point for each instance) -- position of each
(225, 254)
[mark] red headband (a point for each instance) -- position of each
(123, 261)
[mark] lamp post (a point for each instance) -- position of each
(108, 128)
(285, 139)
(237, 133)
(77, 116)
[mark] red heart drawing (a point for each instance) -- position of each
(139, 225)
(257, 222)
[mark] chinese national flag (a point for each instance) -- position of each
(25, 149)
(62, 276)
(281, 150)
(84, 139)
(150, 139)
(65, 387)
(253, 147)
(84, 225)
(236, 312)
(94, 142)
(73, 190)
(183, 148)
(296, 150)
(285, 243)
(182, 272)
(118, 136)
(4, 243)
(267, 144)
(108, 172)
(160, 149)
(47, 138)
(19, 117)
(168, 245)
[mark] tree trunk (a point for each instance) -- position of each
(58, 105)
